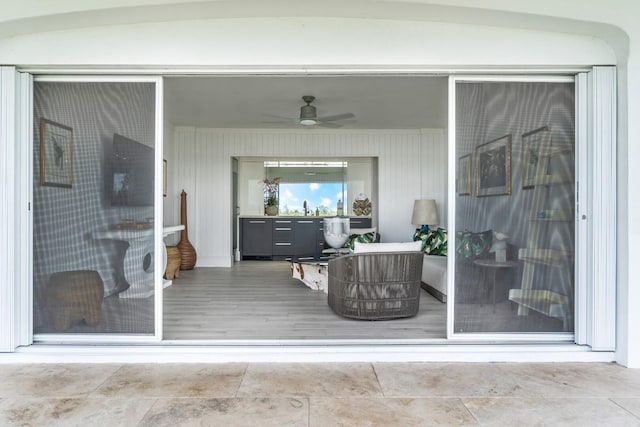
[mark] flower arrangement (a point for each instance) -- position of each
(271, 186)
(270, 190)
(362, 205)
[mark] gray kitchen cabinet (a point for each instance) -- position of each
(256, 238)
(306, 238)
(283, 239)
(286, 238)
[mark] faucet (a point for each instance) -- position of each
(305, 205)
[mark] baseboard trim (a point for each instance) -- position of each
(215, 261)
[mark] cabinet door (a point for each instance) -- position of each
(283, 233)
(306, 243)
(363, 222)
(257, 238)
(320, 245)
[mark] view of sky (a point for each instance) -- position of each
(323, 196)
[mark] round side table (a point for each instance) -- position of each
(494, 266)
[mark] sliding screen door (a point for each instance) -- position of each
(97, 245)
(514, 162)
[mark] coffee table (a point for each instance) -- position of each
(313, 274)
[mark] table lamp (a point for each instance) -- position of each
(499, 246)
(425, 213)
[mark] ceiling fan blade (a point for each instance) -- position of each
(273, 116)
(329, 125)
(336, 117)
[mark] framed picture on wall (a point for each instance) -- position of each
(532, 143)
(493, 167)
(464, 175)
(56, 154)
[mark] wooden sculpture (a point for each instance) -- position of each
(187, 251)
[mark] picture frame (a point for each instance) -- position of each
(532, 143)
(464, 175)
(56, 154)
(493, 167)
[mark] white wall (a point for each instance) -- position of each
(171, 203)
(250, 197)
(360, 178)
(284, 41)
(412, 165)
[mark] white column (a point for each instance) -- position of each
(16, 142)
(602, 141)
(7, 217)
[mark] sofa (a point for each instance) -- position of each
(469, 246)
(434, 276)
(434, 263)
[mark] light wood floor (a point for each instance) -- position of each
(258, 300)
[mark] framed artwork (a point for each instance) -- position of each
(56, 154)
(493, 167)
(532, 143)
(464, 175)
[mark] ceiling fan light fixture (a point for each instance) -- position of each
(308, 115)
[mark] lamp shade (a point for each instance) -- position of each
(425, 212)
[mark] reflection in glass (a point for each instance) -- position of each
(514, 237)
(93, 243)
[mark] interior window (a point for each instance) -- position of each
(311, 198)
(309, 187)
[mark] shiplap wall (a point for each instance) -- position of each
(412, 164)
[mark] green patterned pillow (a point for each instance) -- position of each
(362, 238)
(434, 242)
(473, 245)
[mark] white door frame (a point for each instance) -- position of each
(10, 340)
(597, 214)
(15, 208)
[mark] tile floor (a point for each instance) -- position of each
(340, 394)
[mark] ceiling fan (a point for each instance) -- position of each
(309, 117)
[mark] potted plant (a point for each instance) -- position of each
(271, 200)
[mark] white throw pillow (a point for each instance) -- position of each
(359, 248)
(364, 231)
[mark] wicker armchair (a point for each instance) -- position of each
(375, 286)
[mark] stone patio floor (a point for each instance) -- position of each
(309, 394)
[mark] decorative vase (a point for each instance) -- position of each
(187, 251)
(271, 210)
(362, 205)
